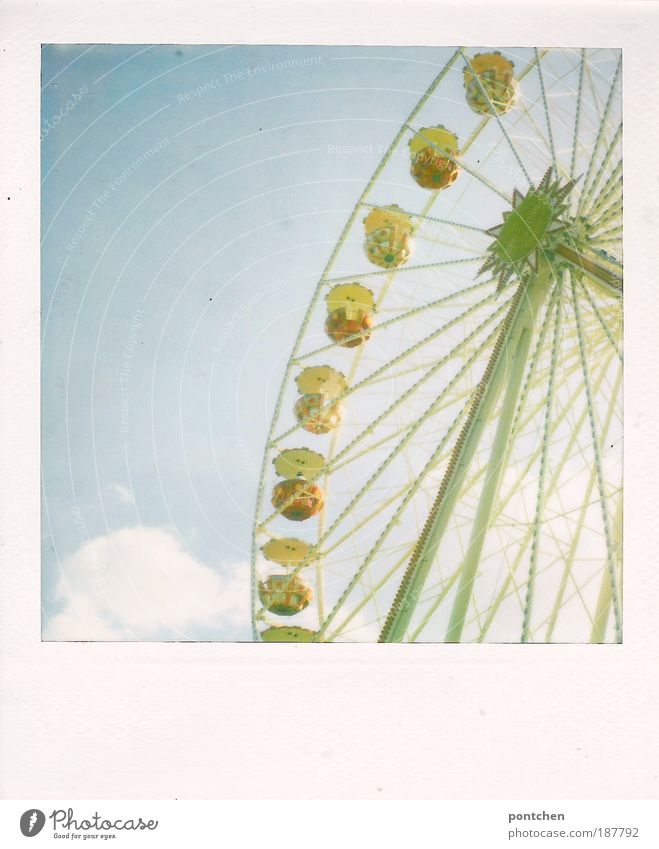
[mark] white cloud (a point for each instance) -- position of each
(123, 494)
(138, 582)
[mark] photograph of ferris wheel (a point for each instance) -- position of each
(380, 399)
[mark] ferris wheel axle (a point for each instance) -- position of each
(609, 279)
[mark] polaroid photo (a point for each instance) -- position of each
(315, 337)
(332, 343)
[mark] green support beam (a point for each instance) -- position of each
(505, 367)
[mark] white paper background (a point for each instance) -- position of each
(329, 721)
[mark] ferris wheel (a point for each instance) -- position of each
(444, 462)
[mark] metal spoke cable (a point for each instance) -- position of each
(537, 523)
(598, 138)
(575, 136)
(547, 118)
(598, 466)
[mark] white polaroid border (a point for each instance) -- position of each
(224, 721)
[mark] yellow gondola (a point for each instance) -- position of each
(389, 232)
(287, 634)
(490, 84)
(287, 551)
(350, 320)
(318, 415)
(323, 380)
(285, 595)
(295, 497)
(434, 152)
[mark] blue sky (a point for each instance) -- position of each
(190, 198)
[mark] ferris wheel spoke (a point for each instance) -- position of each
(602, 321)
(370, 379)
(607, 235)
(541, 495)
(614, 147)
(460, 346)
(422, 217)
(608, 202)
(598, 465)
(416, 425)
(411, 430)
(557, 422)
(575, 135)
(605, 598)
(440, 264)
(610, 242)
(511, 588)
(532, 367)
(403, 372)
(614, 211)
(532, 458)
(598, 138)
(345, 461)
(363, 521)
(415, 311)
(436, 602)
(598, 103)
(577, 593)
(555, 482)
(433, 239)
(411, 492)
(540, 139)
(595, 98)
(547, 118)
(368, 597)
(443, 441)
(611, 192)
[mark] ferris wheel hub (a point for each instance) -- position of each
(530, 229)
